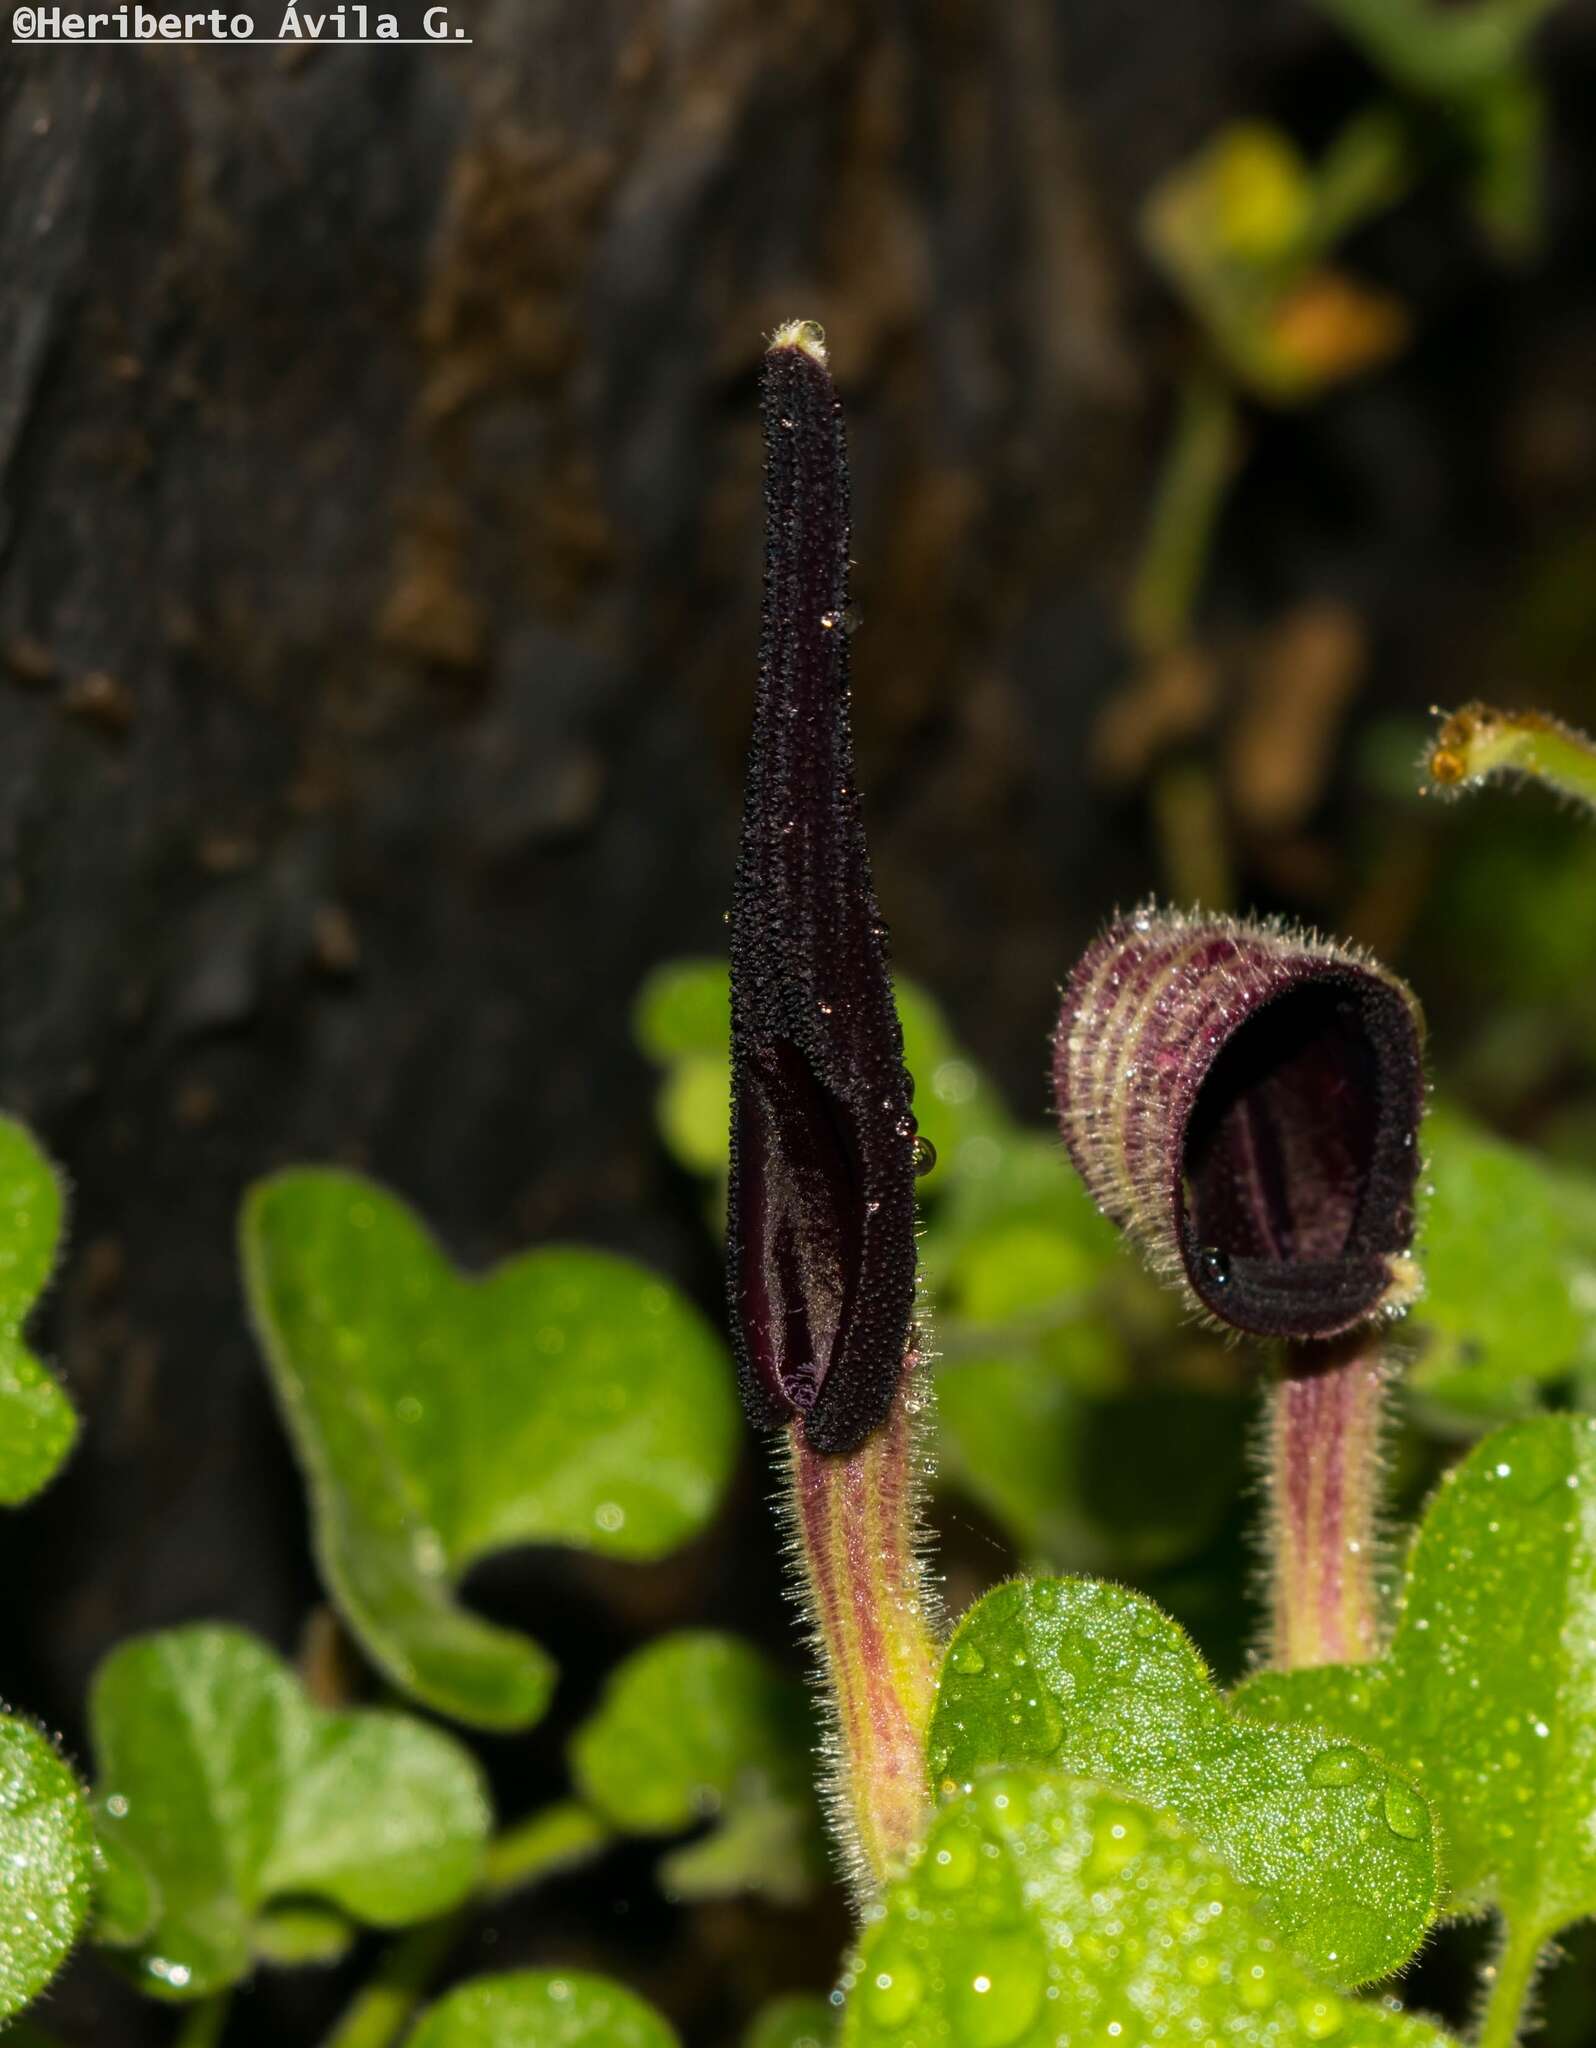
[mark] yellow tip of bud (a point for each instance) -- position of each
(807, 335)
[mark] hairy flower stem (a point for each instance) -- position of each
(1323, 1474)
(859, 1544)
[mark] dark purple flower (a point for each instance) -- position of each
(820, 1226)
(1245, 1101)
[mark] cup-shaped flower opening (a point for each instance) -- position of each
(1246, 1101)
(820, 1225)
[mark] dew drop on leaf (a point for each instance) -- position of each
(1001, 1993)
(1321, 2018)
(1340, 1766)
(953, 1864)
(892, 1992)
(1404, 1810)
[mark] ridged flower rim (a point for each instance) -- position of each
(1244, 1099)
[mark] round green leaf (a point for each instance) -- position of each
(1043, 1910)
(701, 1725)
(300, 1931)
(1508, 1243)
(1487, 1697)
(798, 2022)
(566, 1397)
(37, 1425)
(220, 1780)
(1095, 1681)
(684, 1011)
(47, 1857)
(541, 2009)
(695, 1113)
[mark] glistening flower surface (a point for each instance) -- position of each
(1245, 1101)
(820, 1228)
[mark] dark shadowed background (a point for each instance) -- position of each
(379, 585)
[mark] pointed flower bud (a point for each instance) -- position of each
(820, 1227)
(1245, 1101)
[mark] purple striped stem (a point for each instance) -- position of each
(1326, 1416)
(859, 1545)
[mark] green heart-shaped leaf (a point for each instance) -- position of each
(1042, 1910)
(698, 1725)
(302, 1932)
(1095, 1681)
(541, 2009)
(798, 2022)
(47, 1858)
(566, 1397)
(221, 1781)
(1487, 1696)
(37, 1425)
(1509, 1248)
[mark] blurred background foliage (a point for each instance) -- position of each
(379, 552)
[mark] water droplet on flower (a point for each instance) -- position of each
(1215, 1266)
(925, 1157)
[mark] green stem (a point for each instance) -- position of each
(381, 2009)
(1445, 51)
(1203, 451)
(1189, 819)
(558, 1838)
(202, 2024)
(1509, 1989)
(1365, 171)
(1480, 742)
